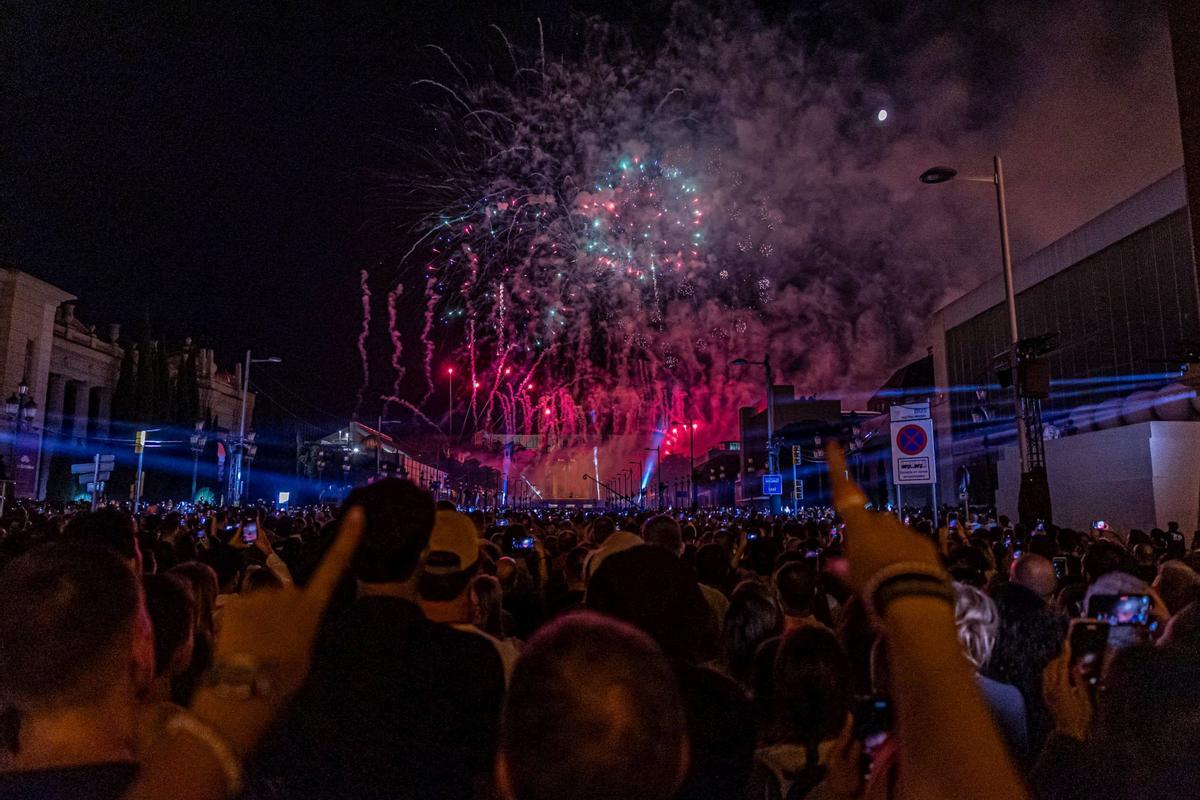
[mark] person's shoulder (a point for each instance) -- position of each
(91, 781)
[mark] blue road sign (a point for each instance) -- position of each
(772, 485)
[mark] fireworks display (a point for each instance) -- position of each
(598, 238)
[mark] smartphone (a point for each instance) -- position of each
(250, 532)
(1060, 567)
(231, 529)
(1099, 525)
(1017, 554)
(952, 524)
(1120, 609)
(1089, 640)
(501, 522)
(1041, 526)
(872, 720)
(751, 536)
(521, 544)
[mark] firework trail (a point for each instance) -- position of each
(396, 337)
(362, 337)
(603, 235)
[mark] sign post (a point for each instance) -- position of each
(913, 459)
(139, 445)
(92, 474)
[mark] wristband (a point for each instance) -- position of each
(909, 577)
(220, 749)
(909, 586)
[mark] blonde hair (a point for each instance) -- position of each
(977, 620)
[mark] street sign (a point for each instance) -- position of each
(88, 467)
(772, 485)
(913, 460)
(102, 476)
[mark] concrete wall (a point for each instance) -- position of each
(1134, 476)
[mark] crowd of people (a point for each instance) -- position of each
(400, 648)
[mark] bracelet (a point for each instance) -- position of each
(909, 586)
(216, 744)
(912, 577)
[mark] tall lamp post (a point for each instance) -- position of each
(1033, 501)
(197, 440)
(635, 485)
(772, 456)
(657, 469)
(450, 412)
(238, 485)
(19, 408)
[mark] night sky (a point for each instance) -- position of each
(216, 167)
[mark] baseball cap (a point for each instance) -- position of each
(453, 546)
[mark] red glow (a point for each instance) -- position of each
(674, 431)
(449, 370)
(547, 412)
(695, 425)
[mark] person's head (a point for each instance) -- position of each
(1103, 557)
(593, 713)
(74, 634)
(796, 585)
(602, 528)
(173, 616)
(1035, 573)
(487, 599)
(110, 528)
(978, 622)
(811, 691)
(752, 618)
(1177, 584)
(655, 591)
(712, 565)
(202, 581)
(1146, 711)
(452, 560)
(1030, 635)
(573, 566)
(259, 578)
(399, 521)
(663, 531)
(1183, 628)
(228, 563)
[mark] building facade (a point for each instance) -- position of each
(70, 373)
(1119, 302)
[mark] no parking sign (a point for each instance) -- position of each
(912, 444)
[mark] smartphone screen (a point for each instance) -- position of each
(250, 532)
(1120, 609)
(872, 721)
(1060, 567)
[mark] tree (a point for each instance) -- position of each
(124, 401)
(187, 390)
(164, 396)
(145, 394)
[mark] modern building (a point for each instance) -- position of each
(1119, 304)
(62, 375)
(802, 424)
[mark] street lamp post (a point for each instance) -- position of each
(236, 473)
(772, 456)
(635, 480)
(658, 472)
(197, 440)
(19, 407)
(1034, 491)
(450, 412)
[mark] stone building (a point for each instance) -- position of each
(69, 373)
